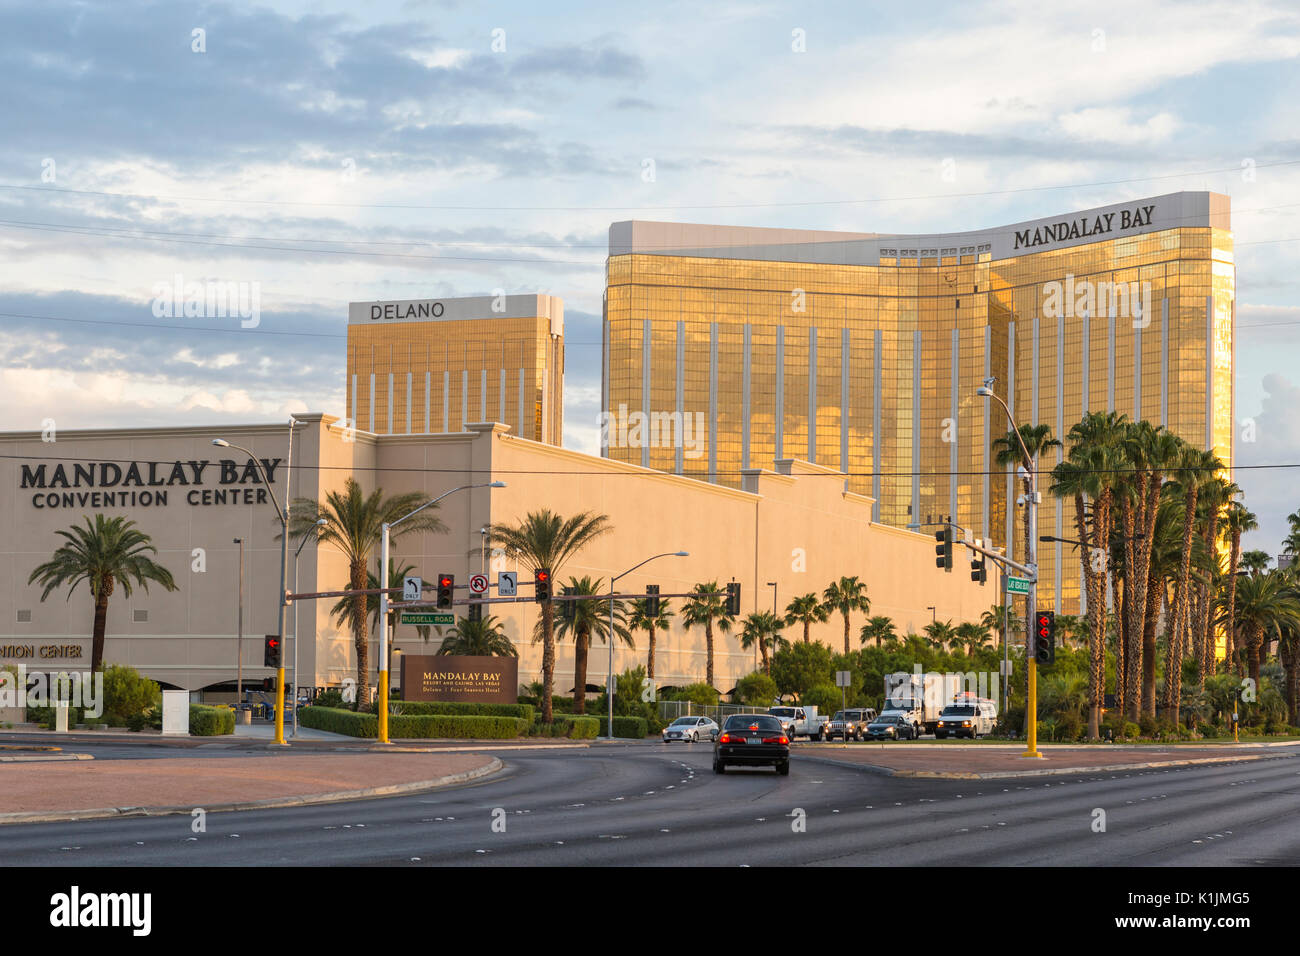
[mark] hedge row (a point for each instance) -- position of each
(419, 726)
(211, 721)
(633, 727)
(574, 728)
(419, 707)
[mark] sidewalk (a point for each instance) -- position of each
(992, 762)
(46, 792)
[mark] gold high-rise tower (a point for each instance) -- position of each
(428, 366)
(863, 352)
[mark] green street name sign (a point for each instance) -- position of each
(1017, 585)
(426, 617)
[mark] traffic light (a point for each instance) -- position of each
(268, 684)
(1045, 637)
(446, 587)
(476, 611)
(568, 609)
(542, 585)
(733, 597)
(978, 572)
(652, 600)
(271, 651)
(943, 549)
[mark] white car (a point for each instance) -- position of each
(691, 729)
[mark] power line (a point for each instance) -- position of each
(751, 205)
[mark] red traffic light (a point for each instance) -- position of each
(444, 581)
(272, 642)
(543, 576)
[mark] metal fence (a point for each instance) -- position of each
(670, 710)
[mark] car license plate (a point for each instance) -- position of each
(755, 740)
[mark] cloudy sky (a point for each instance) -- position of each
(336, 151)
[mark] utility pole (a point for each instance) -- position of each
(239, 653)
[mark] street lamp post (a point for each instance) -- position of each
(1031, 561)
(296, 555)
(383, 599)
(609, 674)
(284, 564)
(239, 653)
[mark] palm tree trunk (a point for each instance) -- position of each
(97, 633)
(360, 634)
(1232, 597)
(580, 672)
(1205, 631)
(650, 658)
(708, 643)
(548, 662)
(1095, 580)
(805, 630)
(1149, 646)
(1254, 642)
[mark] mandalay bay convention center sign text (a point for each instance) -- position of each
(146, 484)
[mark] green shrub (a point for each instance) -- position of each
(127, 694)
(825, 697)
(1131, 730)
(412, 726)
(699, 693)
(338, 720)
(634, 728)
(211, 721)
(151, 718)
(330, 698)
(574, 728)
(755, 690)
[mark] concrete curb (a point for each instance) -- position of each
(1046, 772)
(272, 803)
(4, 758)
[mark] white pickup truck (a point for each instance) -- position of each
(801, 721)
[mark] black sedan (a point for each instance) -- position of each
(891, 727)
(754, 740)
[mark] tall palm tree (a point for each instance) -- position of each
(485, 637)
(641, 619)
(1238, 519)
(346, 607)
(105, 553)
(940, 633)
(806, 610)
(587, 621)
(354, 525)
(972, 636)
(1006, 452)
(1216, 494)
(545, 540)
(1266, 604)
(707, 603)
(846, 596)
(1193, 470)
(1255, 562)
(879, 627)
(1094, 459)
(764, 629)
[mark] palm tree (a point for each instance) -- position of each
(354, 525)
(641, 619)
(992, 619)
(940, 633)
(1006, 452)
(485, 637)
(1193, 470)
(1216, 494)
(707, 604)
(880, 627)
(346, 607)
(806, 610)
(586, 620)
(764, 629)
(544, 541)
(1266, 604)
(972, 636)
(1237, 519)
(846, 596)
(1256, 562)
(104, 553)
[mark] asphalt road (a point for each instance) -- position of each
(661, 805)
